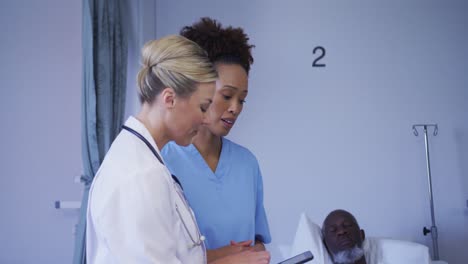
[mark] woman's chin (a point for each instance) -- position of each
(184, 141)
(224, 131)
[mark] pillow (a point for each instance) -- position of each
(309, 237)
(385, 250)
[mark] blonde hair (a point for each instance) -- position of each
(175, 62)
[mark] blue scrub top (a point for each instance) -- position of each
(228, 204)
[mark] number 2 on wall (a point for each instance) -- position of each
(319, 49)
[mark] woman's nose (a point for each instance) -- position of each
(235, 108)
(205, 119)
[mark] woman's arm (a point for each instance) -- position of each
(231, 249)
(246, 257)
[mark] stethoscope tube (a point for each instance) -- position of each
(180, 192)
(155, 153)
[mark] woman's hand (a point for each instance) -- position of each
(233, 248)
(246, 243)
(246, 257)
(259, 246)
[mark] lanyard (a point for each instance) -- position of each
(155, 153)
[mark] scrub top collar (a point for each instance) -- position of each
(223, 165)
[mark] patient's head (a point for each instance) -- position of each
(343, 237)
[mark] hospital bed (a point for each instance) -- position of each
(384, 251)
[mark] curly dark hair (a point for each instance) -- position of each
(226, 45)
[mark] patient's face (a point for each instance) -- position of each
(341, 231)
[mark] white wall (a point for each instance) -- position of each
(340, 136)
(40, 154)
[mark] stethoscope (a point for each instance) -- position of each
(198, 240)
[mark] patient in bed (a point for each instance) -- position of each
(344, 238)
(341, 240)
(346, 242)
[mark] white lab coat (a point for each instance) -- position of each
(132, 215)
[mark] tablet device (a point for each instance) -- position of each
(299, 259)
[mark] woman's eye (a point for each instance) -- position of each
(242, 102)
(227, 97)
(203, 109)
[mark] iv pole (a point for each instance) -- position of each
(433, 229)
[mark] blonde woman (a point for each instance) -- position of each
(137, 212)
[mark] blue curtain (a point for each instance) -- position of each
(104, 37)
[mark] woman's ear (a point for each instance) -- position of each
(168, 95)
